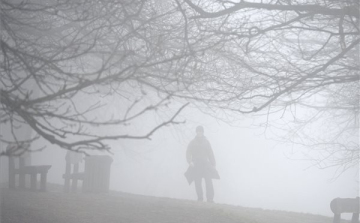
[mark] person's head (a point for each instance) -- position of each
(200, 130)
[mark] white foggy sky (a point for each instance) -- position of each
(255, 172)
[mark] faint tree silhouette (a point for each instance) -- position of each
(266, 57)
(283, 58)
(59, 59)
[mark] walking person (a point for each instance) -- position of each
(201, 160)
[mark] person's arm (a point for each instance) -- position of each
(211, 156)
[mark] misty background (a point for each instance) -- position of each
(256, 171)
(275, 84)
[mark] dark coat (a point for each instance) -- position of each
(200, 154)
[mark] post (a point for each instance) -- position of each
(355, 218)
(33, 179)
(21, 173)
(337, 218)
(43, 180)
(75, 179)
(11, 172)
(67, 175)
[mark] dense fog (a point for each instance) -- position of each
(255, 170)
(274, 84)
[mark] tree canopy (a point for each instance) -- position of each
(271, 57)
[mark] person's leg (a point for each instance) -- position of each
(209, 190)
(198, 188)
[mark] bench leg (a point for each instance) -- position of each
(21, 180)
(11, 180)
(337, 218)
(33, 181)
(67, 185)
(43, 181)
(355, 218)
(66, 178)
(75, 180)
(12, 175)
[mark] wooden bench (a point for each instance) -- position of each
(345, 205)
(72, 174)
(22, 170)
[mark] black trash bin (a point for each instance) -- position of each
(97, 174)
